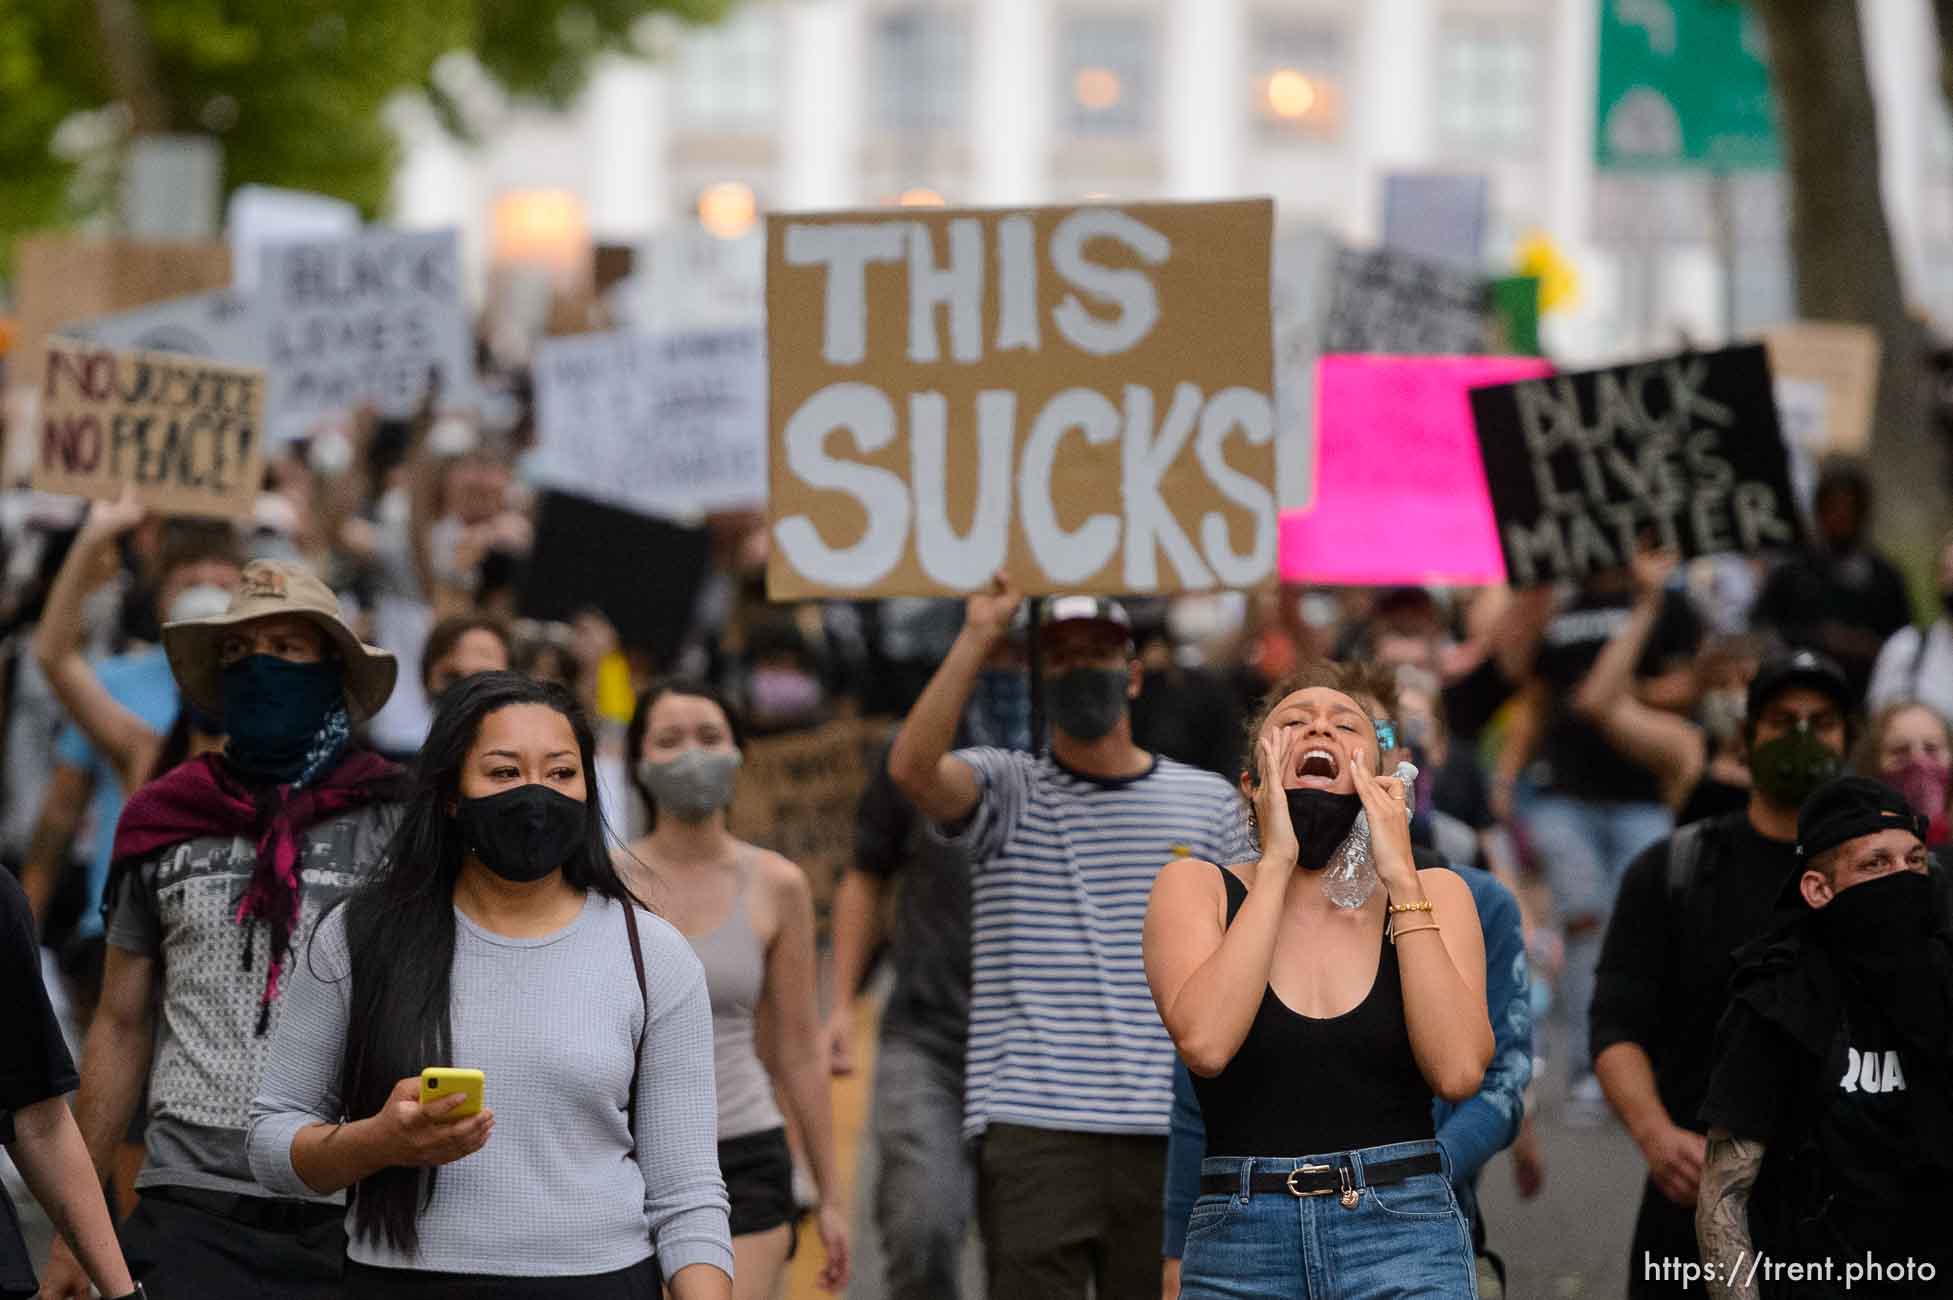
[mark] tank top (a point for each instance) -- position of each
(1299, 1086)
(735, 976)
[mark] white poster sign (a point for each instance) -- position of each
(373, 319)
(219, 324)
(662, 424)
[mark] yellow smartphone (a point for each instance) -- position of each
(438, 1081)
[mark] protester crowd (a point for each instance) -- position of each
(1286, 906)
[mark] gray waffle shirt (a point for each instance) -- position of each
(551, 1023)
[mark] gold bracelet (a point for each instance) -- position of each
(1415, 929)
(1424, 906)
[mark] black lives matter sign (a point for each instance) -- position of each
(1683, 451)
(184, 434)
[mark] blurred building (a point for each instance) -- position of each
(795, 104)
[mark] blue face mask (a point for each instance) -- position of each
(278, 714)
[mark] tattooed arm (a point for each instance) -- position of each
(1722, 1215)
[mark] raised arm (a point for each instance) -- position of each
(1611, 679)
(1440, 952)
(124, 739)
(1208, 976)
(1722, 1216)
(942, 787)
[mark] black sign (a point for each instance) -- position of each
(642, 573)
(1683, 451)
(1387, 301)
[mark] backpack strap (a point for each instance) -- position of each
(1685, 859)
(1919, 658)
(637, 960)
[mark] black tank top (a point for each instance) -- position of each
(1301, 1086)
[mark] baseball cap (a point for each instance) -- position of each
(1852, 806)
(1085, 609)
(1807, 668)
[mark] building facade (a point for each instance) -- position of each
(807, 104)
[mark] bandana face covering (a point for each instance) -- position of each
(275, 711)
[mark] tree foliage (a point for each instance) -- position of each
(293, 89)
(1843, 259)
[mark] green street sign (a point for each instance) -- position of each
(1683, 85)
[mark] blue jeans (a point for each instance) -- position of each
(1586, 847)
(1402, 1241)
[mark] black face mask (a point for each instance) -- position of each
(1087, 703)
(1880, 926)
(1322, 821)
(522, 834)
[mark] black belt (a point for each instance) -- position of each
(1323, 1180)
(262, 1212)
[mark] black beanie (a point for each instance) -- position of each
(1849, 807)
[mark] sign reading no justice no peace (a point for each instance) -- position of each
(1080, 396)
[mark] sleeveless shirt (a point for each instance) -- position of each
(1300, 1086)
(735, 977)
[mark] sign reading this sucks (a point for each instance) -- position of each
(184, 433)
(1684, 452)
(1079, 396)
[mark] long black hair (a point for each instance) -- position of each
(694, 687)
(400, 931)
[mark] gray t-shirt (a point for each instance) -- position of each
(555, 1025)
(180, 909)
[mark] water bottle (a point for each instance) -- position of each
(1352, 874)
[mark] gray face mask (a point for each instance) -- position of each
(692, 786)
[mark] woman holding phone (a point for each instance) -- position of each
(493, 939)
(1317, 1032)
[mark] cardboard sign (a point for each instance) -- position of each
(1392, 302)
(61, 278)
(363, 320)
(220, 324)
(1081, 396)
(1842, 359)
(642, 573)
(798, 793)
(669, 424)
(1685, 449)
(1403, 497)
(185, 433)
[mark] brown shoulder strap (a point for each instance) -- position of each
(643, 992)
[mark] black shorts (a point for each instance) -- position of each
(758, 1169)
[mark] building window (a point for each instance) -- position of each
(729, 72)
(1108, 63)
(1297, 79)
(922, 69)
(1490, 76)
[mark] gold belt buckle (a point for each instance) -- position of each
(1293, 1190)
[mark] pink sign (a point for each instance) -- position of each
(1400, 489)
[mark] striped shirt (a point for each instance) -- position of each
(1063, 1032)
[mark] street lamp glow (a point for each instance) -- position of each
(728, 209)
(1290, 94)
(1097, 89)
